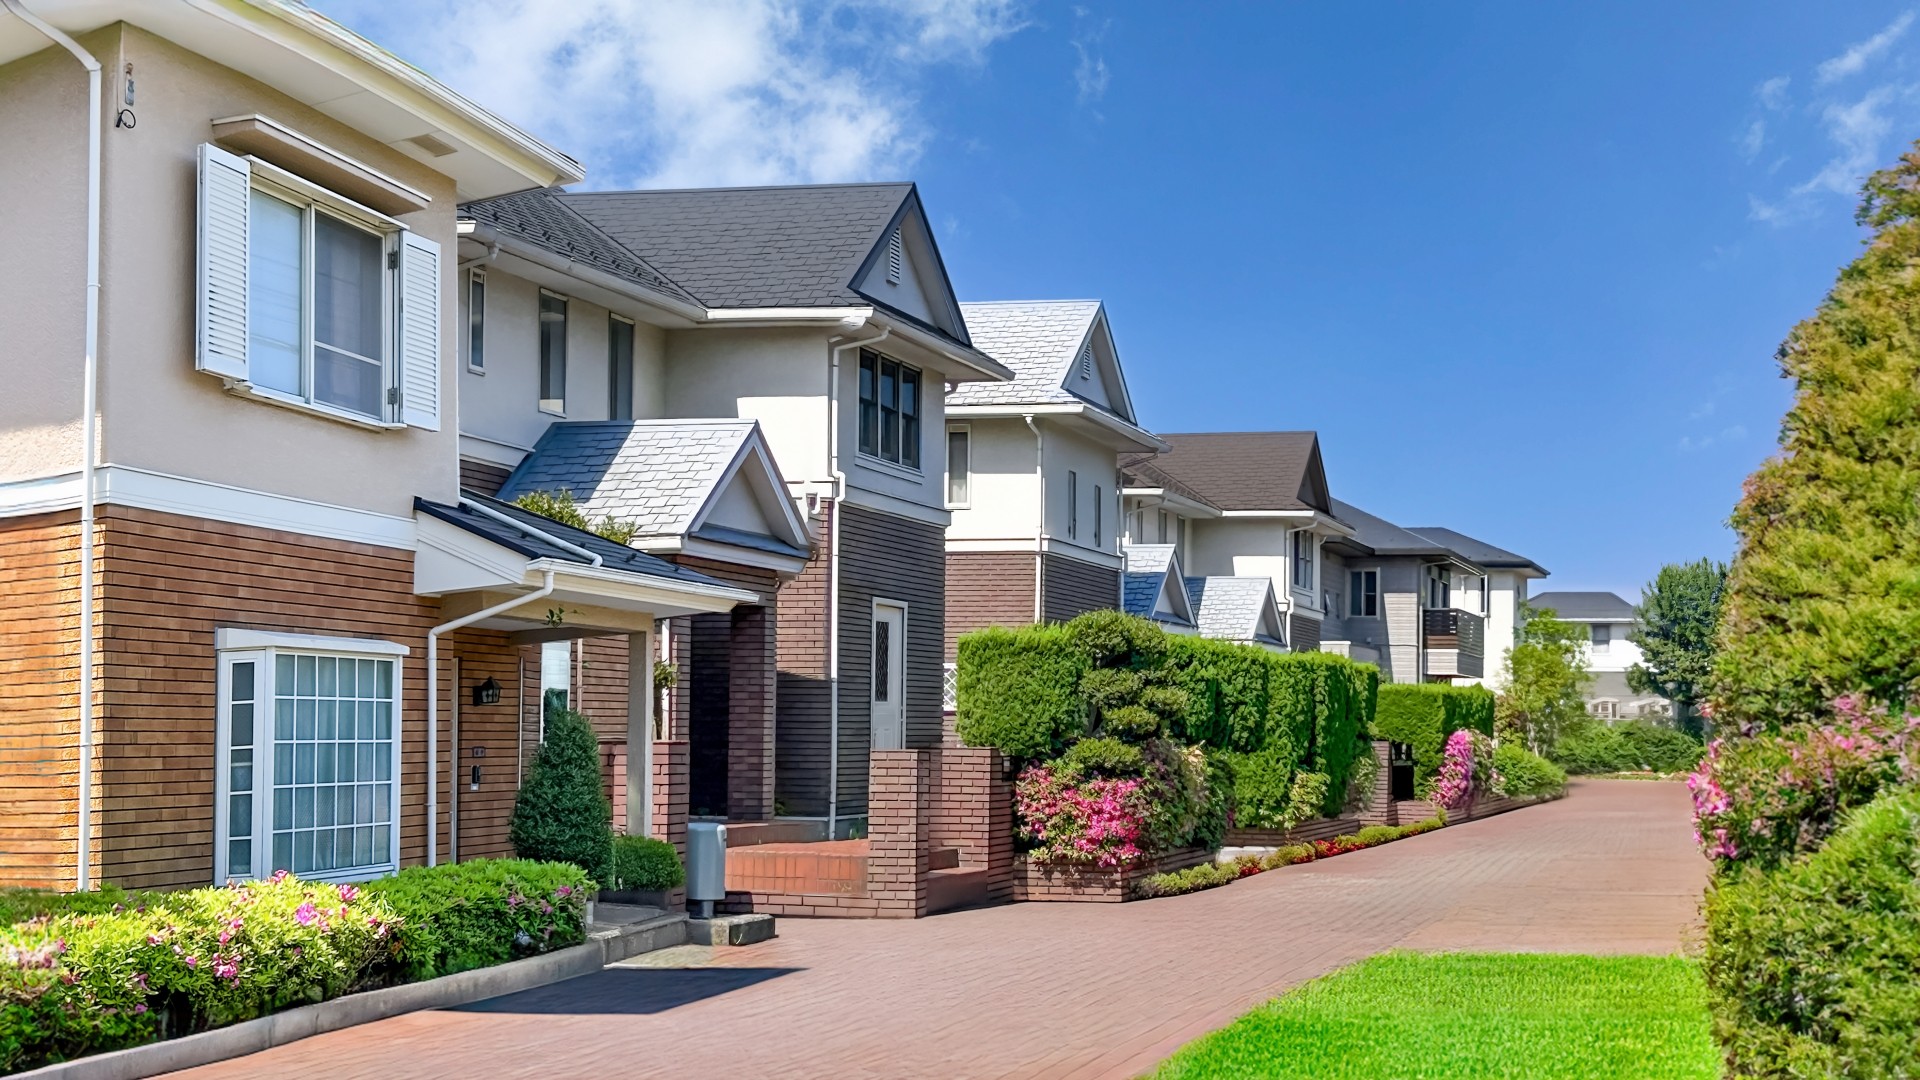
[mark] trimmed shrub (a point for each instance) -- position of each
(1019, 691)
(1810, 967)
(643, 864)
(1422, 715)
(461, 916)
(1592, 747)
(1522, 772)
(1227, 688)
(562, 813)
(1217, 814)
(1658, 748)
(1107, 757)
(19, 905)
(1263, 789)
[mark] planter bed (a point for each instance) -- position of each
(1092, 884)
(1416, 809)
(1305, 832)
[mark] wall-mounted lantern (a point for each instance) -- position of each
(487, 693)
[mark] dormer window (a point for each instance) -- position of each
(896, 257)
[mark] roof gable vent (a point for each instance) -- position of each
(430, 144)
(1086, 360)
(895, 257)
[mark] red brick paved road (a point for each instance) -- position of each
(1064, 990)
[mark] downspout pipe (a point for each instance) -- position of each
(433, 703)
(1040, 532)
(89, 434)
(839, 476)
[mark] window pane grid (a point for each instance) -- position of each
(333, 759)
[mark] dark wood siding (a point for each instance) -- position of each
(482, 477)
(1303, 633)
(987, 588)
(1074, 588)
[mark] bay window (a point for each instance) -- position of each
(308, 756)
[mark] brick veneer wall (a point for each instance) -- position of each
(802, 722)
(1074, 588)
(898, 824)
(39, 700)
(986, 588)
(1035, 881)
(670, 793)
(970, 809)
(1381, 809)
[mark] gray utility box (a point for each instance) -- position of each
(706, 865)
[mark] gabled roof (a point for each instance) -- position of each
(755, 247)
(665, 476)
(1386, 538)
(612, 556)
(1236, 608)
(1152, 575)
(542, 218)
(1584, 606)
(1139, 471)
(1040, 341)
(1247, 470)
(1479, 551)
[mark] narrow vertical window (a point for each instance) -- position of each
(869, 403)
(1099, 512)
(909, 417)
(889, 410)
(556, 679)
(619, 368)
(553, 353)
(882, 659)
(476, 321)
(240, 790)
(959, 478)
(1073, 505)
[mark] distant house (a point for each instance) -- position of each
(1608, 620)
(1031, 480)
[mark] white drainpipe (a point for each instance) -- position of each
(1040, 532)
(89, 391)
(833, 562)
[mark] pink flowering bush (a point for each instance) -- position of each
(1466, 769)
(1763, 799)
(1071, 817)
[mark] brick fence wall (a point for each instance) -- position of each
(898, 828)
(970, 809)
(1034, 881)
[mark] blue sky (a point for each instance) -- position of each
(1523, 266)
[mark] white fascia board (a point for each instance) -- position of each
(1179, 504)
(1053, 545)
(786, 315)
(638, 588)
(977, 367)
(506, 455)
(233, 637)
(449, 559)
(1110, 430)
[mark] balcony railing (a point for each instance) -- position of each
(1456, 642)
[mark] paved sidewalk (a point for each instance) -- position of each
(1064, 990)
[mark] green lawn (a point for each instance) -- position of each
(1455, 1016)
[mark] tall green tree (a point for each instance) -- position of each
(1824, 594)
(1546, 680)
(1675, 626)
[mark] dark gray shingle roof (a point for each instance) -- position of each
(1479, 551)
(752, 247)
(1386, 538)
(1593, 606)
(612, 556)
(540, 217)
(1246, 470)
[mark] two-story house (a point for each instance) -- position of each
(1610, 653)
(1416, 608)
(728, 342)
(1031, 476)
(254, 622)
(1508, 577)
(1242, 505)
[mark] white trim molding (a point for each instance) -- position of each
(234, 637)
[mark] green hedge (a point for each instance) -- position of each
(1019, 691)
(1424, 714)
(77, 978)
(1810, 967)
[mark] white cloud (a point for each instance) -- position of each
(1754, 140)
(1859, 55)
(1773, 92)
(1733, 433)
(1090, 74)
(697, 92)
(1857, 129)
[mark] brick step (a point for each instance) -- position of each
(943, 858)
(956, 887)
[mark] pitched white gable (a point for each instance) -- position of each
(904, 272)
(1095, 374)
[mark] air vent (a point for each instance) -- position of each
(431, 145)
(895, 257)
(1086, 360)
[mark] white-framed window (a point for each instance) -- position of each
(1363, 594)
(1439, 587)
(619, 367)
(308, 756)
(1073, 505)
(1099, 512)
(556, 679)
(308, 299)
(890, 410)
(1304, 552)
(1601, 635)
(959, 466)
(477, 321)
(1606, 709)
(553, 353)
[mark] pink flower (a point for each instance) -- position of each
(193, 961)
(305, 914)
(348, 893)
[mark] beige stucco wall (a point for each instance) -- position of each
(503, 405)
(43, 274)
(157, 412)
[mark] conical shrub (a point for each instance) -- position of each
(562, 813)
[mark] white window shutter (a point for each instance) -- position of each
(419, 322)
(220, 328)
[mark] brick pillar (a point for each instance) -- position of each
(670, 793)
(1383, 810)
(897, 831)
(971, 811)
(750, 664)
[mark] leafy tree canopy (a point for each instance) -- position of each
(1675, 626)
(1546, 680)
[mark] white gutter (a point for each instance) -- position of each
(433, 705)
(89, 397)
(1040, 530)
(1142, 440)
(539, 534)
(593, 275)
(850, 324)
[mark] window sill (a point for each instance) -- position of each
(544, 411)
(284, 401)
(879, 464)
(471, 370)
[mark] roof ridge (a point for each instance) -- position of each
(741, 187)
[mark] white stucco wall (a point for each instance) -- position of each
(1242, 547)
(1004, 495)
(777, 376)
(1505, 591)
(1096, 467)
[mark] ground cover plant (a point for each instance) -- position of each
(77, 979)
(1210, 875)
(1468, 1016)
